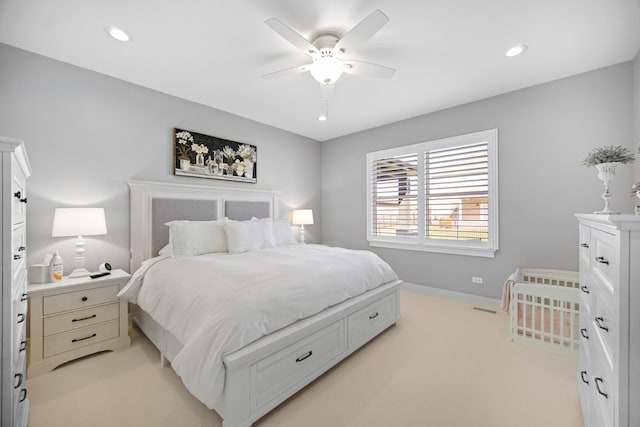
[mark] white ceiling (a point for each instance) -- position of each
(446, 52)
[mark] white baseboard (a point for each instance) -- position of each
(484, 302)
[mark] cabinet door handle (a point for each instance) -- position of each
(600, 323)
(84, 318)
(18, 376)
(584, 334)
(584, 245)
(373, 316)
(23, 395)
(20, 317)
(85, 338)
(306, 356)
(598, 382)
(582, 375)
(602, 260)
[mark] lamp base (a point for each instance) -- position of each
(79, 272)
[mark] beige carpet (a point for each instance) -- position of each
(444, 364)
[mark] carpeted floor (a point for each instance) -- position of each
(443, 365)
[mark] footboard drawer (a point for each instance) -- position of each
(281, 370)
(370, 320)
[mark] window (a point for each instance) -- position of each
(438, 196)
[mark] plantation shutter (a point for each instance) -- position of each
(394, 195)
(457, 192)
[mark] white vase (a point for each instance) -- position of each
(184, 164)
(606, 173)
(248, 164)
(200, 159)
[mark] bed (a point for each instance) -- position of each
(272, 359)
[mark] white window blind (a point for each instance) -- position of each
(435, 196)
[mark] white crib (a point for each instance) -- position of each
(544, 310)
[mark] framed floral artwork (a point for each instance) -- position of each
(205, 156)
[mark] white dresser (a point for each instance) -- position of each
(14, 171)
(609, 374)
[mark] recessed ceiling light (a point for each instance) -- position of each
(117, 33)
(517, 49)
(322, 118)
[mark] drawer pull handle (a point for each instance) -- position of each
(584, 289)
(84, 318)
(24, 200)
(22, 248)
(84, 299)
(601, 260)
(23, 395)
(582, 375)
(17, 194)
(600, 323)
(18, 376)
(20, 317)
(23, 346)
(24, 297)
(306, 356)
(85, 338)
(373, 316)
(17, 256)
(584, 245)
(583, 332)
(598, 382)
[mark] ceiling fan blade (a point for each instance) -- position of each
(287, 72)
(362, 32)
(292, 36)
(361, 68)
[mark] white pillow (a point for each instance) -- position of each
(190, 238)
(282, 233)
(243, 236)
(166, 250)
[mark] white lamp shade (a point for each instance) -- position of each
(78, 222)
(302, 217)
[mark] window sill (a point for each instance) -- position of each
(442, 249)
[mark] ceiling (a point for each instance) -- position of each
(446, 52)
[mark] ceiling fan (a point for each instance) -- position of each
(329, 52)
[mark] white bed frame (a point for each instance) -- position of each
(267, 372)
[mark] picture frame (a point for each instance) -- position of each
(203, 156)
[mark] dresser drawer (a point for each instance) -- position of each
(276, 373)
(605, 259)
(18, 194)
(603, 388)
(81, 318)
(66, 341)
(18, 250)
(79, 299)
(584, 384)
(368, 321)
(586, 293)
(604, 325)
(21, 412)
(584, 244)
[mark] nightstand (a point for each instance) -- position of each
(74, 318)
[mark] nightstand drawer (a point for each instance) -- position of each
(60, 343)
(80, 299)
(80, 318)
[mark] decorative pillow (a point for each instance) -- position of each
(190, 238)
(243, 236)
(282, 233)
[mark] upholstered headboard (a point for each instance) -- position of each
(155, 203)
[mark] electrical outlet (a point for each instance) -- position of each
(477, 280)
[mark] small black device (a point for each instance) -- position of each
(96, 275)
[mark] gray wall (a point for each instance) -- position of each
(87, 134)
(544, 133)
(636, 111)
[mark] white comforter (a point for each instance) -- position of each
(216, 304)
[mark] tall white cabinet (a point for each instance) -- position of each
(14, 171)
(609, 374)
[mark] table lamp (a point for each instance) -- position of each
(79, 222)
(302, 217)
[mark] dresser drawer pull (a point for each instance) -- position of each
(598, 382)
(23, 395)
(21, 317)
(23, 346)
(306, 356)
(583, 332)
(373, 316)
(600, 323)
(584, 289)
(85, 338)
(584, 245)
(22, 248)
(582, 376)
(19, 377)
(24, 297)
(18, 195)
(17, 257)
(602, 260)
(84, 318)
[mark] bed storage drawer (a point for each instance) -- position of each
(66, 341)
(79, 299)
(281, 370)
(368, 321)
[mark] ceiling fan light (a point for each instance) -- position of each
(327, 69)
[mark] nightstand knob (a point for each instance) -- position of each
(84, 299)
